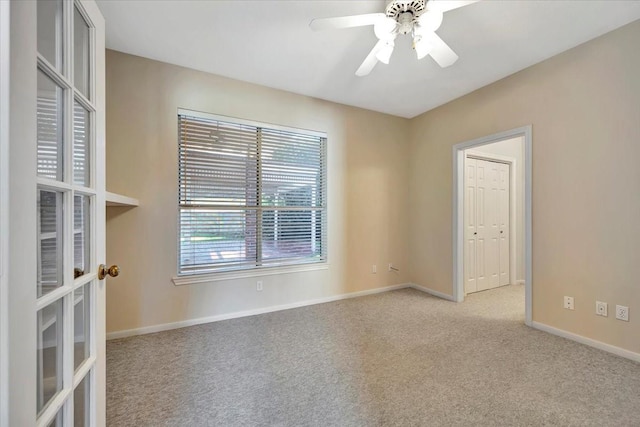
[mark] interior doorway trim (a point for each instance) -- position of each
(458, 210)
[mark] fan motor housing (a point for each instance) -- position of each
(398, 7)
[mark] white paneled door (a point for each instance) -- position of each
(504, 207)
(486, 224)
(56, 227)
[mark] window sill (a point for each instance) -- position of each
(243, 274)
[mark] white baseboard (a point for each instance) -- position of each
(627, 354)
(432, 292)
(237, 314)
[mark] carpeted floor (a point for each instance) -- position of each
(400, 358)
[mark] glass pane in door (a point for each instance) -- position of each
(50, 31)
(81, 403)
(50, 255)
(81, 53)
(49, 353)
(81, 230)
(81, 326)
(49, 121)
(80, 145)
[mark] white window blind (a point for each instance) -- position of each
(250, 196)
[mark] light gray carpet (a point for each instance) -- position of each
(401, 358)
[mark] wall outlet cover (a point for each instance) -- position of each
(601, 308)
(568, 303)
(622, 313)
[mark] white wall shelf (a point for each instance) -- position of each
(114, 199)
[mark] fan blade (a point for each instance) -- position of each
(370, 61)
(441, 52)
(447, 5)
(346, 21)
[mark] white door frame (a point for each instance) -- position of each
(4, 211)
(458, 210)
(513, 167)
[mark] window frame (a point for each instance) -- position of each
(255, 269)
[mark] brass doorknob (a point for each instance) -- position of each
(112, 271)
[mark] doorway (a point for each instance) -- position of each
(511, 262)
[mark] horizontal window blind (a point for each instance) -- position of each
(49, 128)
(249, 196)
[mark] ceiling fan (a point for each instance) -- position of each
(420, 18)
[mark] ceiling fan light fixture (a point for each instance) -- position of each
(405, 23)
(387, 24)
(420, 18)
(421, 46)
(430, 21)
(384, 54)
(385, 30)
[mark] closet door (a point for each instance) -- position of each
(486, 222)
(503, 221)
(492, 210)
(470, 226)
(487, 258)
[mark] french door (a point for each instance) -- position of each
(56, 225)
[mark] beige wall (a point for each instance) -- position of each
(513, 148)
(368, 195)
(584, 106)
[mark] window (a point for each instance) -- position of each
(250, 195)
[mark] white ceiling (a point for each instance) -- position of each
(270, 43)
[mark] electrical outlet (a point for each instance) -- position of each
(622, 313)
(259, 286)
(568, 303)
(374, 269)
(601, 308)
